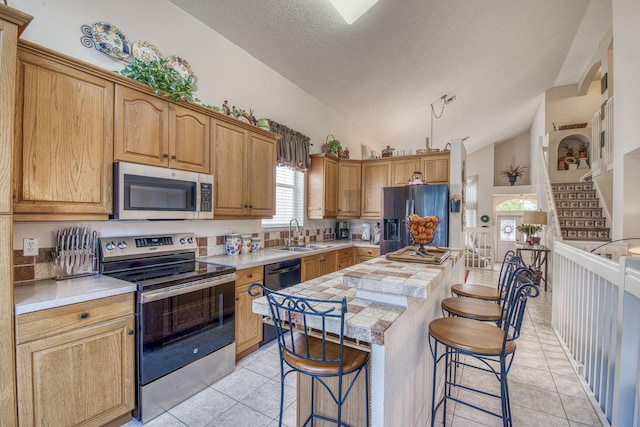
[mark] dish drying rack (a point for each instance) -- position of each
(75, 253)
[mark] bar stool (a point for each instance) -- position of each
(489, 344)
(487, 293)
(480, 309)
(306, 347)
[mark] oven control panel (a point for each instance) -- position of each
(136, 245)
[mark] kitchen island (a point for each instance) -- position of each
(390, 305)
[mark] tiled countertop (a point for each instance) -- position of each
(398, 278)
(44, 294)
(367, 320)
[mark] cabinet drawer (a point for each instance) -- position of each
(44, 323)
(370, 252)
(343, 253)
(250, 275)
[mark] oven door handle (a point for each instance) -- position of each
(285, 270)
(185, 288)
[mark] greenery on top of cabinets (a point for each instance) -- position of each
(160, 76)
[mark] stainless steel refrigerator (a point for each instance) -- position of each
(423, 200)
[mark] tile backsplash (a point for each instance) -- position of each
(29, 268)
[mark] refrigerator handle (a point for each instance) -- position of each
(409, 207)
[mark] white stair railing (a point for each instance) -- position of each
(479, 251)
(596, 313)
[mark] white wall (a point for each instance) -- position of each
(564, 107)
(517, 148)
(224, 70)
(626, 65)
(480, 163)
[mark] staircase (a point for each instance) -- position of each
(579, 212)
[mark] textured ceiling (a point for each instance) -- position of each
(384, 71)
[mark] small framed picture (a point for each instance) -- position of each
(603, 84)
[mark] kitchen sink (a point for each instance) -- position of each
(294, 249)
(311, 246)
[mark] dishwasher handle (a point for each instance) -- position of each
(285, 270)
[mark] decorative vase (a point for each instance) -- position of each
(232, 244)
(454, 205)
(512, 179)
(245, 244)
(255, 244)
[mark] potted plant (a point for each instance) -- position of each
(529, 230)
(582, 149)
(514, 172)
(333, 146)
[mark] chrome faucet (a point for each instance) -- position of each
(290, 240)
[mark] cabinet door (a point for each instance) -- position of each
(402, 170)
(262, 177)
(331, 175)
(63, 141)
(85, 376)
(311, 267)
(436, 171)
(248, 324)
(345, 258)
(142, 128)
(375, 175)
(322, 187)
(349, 196)
(329, 262)
(189, 140)
(230, 171)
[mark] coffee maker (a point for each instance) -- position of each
(342, 230)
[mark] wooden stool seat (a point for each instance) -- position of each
(472, 308)
(486, 293)
(352, 359)
(470, 335)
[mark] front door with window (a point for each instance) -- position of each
(508, 235)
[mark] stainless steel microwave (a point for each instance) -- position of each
(149, 192)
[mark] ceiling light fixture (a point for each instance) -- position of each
(446, 100)
(351, 10)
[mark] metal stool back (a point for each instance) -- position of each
(493, 346)
(487, 293)
(310, 335)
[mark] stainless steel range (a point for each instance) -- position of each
(185, 316)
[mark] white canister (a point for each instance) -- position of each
(255, 244)
(246, 244)
(366, 232)
(232, 244)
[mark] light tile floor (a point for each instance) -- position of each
(544, 388)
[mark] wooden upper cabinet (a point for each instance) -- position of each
(244, 172)
(155, 132)
(375, 175)
(322, 187)
(189, 140)
(403, 169)
(142, 128)
(63, 140)
(230, 168)
(350, 177)
(435, 168)
(262, 177)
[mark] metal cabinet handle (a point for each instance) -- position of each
(250, 276)
(165, 155)
(173, 157)
(130, 332)
(84, 315)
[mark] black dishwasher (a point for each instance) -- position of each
(278, 276)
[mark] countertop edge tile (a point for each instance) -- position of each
(46, 294)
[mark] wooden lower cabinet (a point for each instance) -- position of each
(365, 254)
(248, 324)
(81, 376)
(318, 265)
(346, 258)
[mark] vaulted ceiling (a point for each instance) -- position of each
(384, 71)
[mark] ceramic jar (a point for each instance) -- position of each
(246, 244)
(255, 244)
(232, 244)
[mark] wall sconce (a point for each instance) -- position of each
(454, 203)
